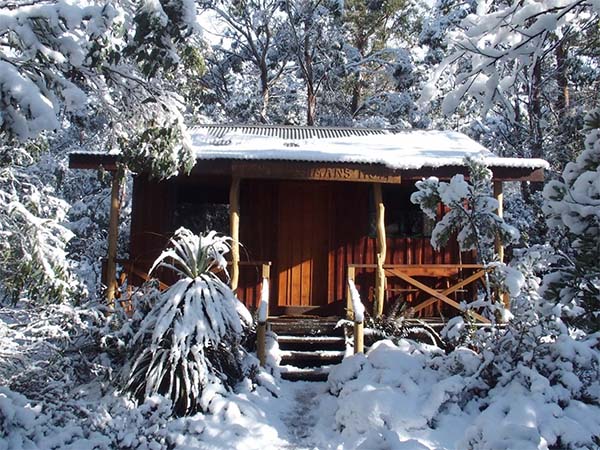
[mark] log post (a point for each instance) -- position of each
(349, 308)
(263, 314)
(381, 250)
(261, 345)
(113, 236)
(359, 337)
(499, 247)
(234, 225)
(499, 196)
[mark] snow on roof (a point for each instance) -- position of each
(395, 149)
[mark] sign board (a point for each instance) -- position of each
(317, 172)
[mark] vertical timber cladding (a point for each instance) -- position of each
(258, 237)
(303, 245)
(353, 238)
(152, 210)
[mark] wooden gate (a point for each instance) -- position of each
(302, 249)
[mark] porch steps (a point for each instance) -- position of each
(309, 346)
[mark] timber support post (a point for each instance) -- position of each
(499, 247)
(113, 236)
(359, 337)
(381, 250)
(356, 313)
(234, 224)
(499, 196)
(263, 314)
(349, 307)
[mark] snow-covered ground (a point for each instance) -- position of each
(55, 395)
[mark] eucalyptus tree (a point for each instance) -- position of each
(315, 39)
(370, 27)
(62, 64)
(523, 62)
(251, 30)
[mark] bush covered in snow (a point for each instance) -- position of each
(191, 337)
(415, 396)
(472, 218)
(472, 214)
(573, 207)
(33, 238)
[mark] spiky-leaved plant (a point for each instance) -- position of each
(191, 336)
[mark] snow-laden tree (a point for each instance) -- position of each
(33, 239)
(63, 67)
(572, 205)
(93, 58)
(314, 37)
(528, 65)
(472, 211)
(44, 54)
(252, 32)
(369, 26)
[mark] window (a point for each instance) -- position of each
(402, 217)
(202, 208)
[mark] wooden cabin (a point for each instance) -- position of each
(315, 206)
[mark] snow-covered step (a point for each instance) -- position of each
(306, 326)
(308, 346)
(295, 342)
(292, 373)
(312, 358)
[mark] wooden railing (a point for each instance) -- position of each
(453, 274)
(131, 269)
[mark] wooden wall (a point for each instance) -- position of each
(348, 203)
(151, 212)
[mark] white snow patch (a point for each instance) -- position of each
(396, 150)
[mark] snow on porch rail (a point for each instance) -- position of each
(408, 272)
(263, 315)
(358, 311)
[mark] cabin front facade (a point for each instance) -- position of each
(312, 207)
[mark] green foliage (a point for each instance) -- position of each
(471, 216)
(161, 151)
(159, 27)
(33, 260)
(572, 206)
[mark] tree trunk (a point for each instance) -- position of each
(356, 94)
(264, 93)
(535, 127)
(562, 102)
(311, 105)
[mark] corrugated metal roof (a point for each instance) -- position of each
(289, 132)
(394, 148)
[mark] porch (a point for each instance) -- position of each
(430, 292)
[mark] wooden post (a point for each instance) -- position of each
(381, 250)
(499, 196)
(266, 270)
(349, 308)
(261, 345)
(499, 247)
(261, 329)
(234, 224)
(359, 338)
(113, 235)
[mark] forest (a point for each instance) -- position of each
(130, 77)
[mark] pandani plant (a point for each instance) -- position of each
(191, 336)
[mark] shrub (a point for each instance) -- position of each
(192, 335)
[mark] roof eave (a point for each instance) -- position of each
(223, 166)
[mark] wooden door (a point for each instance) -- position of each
(303, 245)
